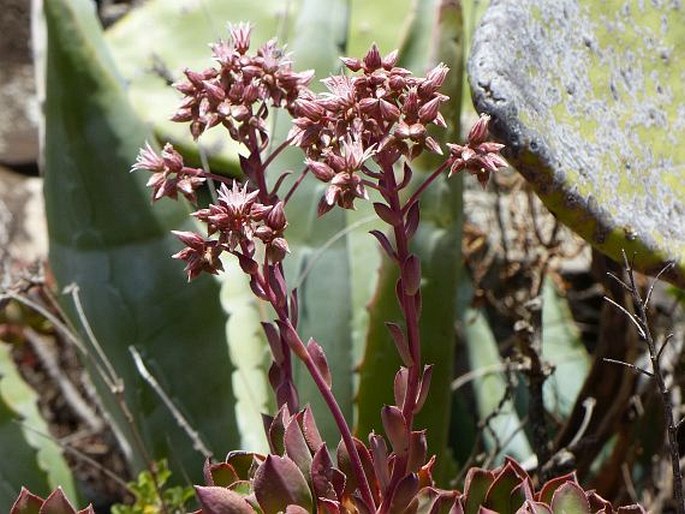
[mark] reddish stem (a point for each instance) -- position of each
(411, 318)
(338, 416)
(427, 182)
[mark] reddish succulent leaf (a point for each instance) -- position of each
(219, 500)
(322, 473)
(276, 431)
(88, 510)
(400, 385)
(400, 343)
(499, 496)
(346, 467)
(411, 270)
(220, 474)
(242, 462)
(57, 503)
(294, 307)
(386, 214)
(418, 450)
(384, 242)
(319, 357)
(412, 217)
(278, 285)
(26, 503)
(424, 388)
(279, 483)
(395, 428)
(407, 174)
(290, 336)
(379, 450)
(310, 430)
(274, 340)
(476, 486)
(295, 445)
(547, 491)
(570, 498)
(597, 503)
(404, 493)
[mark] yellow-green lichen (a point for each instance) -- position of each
(590, 96)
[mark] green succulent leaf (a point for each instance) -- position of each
(570, 499)
(106, 238)
(476, 486)
(502, 494)
(548, 490)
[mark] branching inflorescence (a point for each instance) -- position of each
(361, 135)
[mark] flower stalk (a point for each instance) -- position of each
(354, 137)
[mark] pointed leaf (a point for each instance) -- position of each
(345, 465)
(295, 445)
(500, 496)
(547, 491)
(396, 428)
(279, 483)
(57, 503)
(310, 430)
(219, 500)
(27, 503)
(476, 487)
(319, 357)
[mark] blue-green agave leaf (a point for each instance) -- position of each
(490, 387)
(107, 238)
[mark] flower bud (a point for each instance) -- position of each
(276, 218)
(479, 131)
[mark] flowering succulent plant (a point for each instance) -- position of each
(360, 138)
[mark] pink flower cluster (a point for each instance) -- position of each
(237, 92)
(352, 136)
(383, 113)
(169, 175)
(478, 156)
(237, 219)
